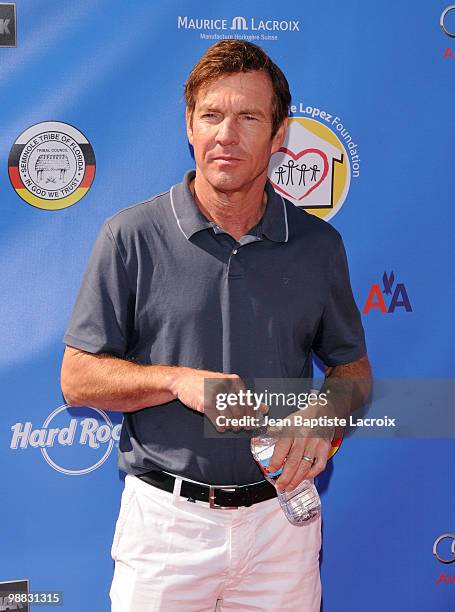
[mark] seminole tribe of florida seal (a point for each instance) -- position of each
(51, 165)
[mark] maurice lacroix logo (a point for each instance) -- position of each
(7, 24)
(245, 28)
(397, 294)
(70, 445)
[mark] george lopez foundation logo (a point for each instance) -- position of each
(314, 166)
(70, 445)
(397, 294)
(239, 27)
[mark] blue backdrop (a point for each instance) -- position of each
(115, 72)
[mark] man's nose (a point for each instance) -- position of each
(227, 131)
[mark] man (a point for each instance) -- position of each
(218, 278)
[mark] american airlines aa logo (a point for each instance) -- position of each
(395, 295)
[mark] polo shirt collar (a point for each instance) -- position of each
(273, 225)
(188, 216)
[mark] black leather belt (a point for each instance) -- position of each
(227, 498)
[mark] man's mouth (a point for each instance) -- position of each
(227, 158)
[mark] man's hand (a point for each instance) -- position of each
(291, 449)
(190, 387)
(108, 382)
(349, 386)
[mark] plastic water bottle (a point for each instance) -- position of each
(299, 505)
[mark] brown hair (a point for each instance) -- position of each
(232, 56)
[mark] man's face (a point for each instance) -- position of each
(231, 130)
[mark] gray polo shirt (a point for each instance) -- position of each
(164, 286)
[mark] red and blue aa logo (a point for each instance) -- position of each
(377, 297)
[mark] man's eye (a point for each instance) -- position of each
(208, 115)
(249, 117)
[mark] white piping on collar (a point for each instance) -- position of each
(175, 214)
(285, 219)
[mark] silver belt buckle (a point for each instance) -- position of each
(212, 503)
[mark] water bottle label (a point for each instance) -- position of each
(264, 463)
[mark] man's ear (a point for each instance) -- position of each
(189, 128)
(278, 139)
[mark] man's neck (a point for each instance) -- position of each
(236, 212)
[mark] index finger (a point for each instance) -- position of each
(280, 452)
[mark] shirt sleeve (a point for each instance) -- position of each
(340, 338)
(104, 311)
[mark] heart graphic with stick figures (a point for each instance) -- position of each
(296, 175)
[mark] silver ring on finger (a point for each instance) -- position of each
(309, 459)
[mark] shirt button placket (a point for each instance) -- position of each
(234, 268)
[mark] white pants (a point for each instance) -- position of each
(174, 555)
